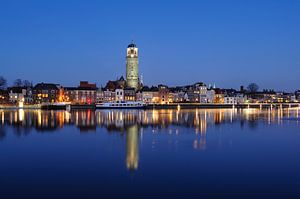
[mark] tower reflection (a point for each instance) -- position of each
(132, 147)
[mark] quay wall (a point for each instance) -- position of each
(158, 106)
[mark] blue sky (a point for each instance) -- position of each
(230, 43)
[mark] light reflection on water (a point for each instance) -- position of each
(212, 150)
(132, 122)
(199, 119)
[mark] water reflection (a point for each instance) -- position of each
(120, 120)
(132, 122)
(132, 148)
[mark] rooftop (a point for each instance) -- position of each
(132, 45)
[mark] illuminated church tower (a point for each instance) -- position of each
(132, 66)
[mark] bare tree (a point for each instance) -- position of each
(253, 87)
(3, 82)
(18, 82)
(27, 83)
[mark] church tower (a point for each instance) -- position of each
(132, 66)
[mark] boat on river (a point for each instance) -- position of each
(121, 105)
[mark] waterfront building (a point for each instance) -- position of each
(129, 94)
(230, 100)
(46, 93)
(139, 96)
(85, 93)
(266, 96)
(201, 87)
(218, 96)
(132, 64)
(100, 95)
(4, 96)
(282, 97)
(109, 96)
(210, 96)
(17, 94)
(106, 95)
(163, 94)
(231, 96)
(119, 95)
(171, 97)
(150, 95)
(178, 96)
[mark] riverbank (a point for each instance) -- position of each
(35, 106)
(159, 106)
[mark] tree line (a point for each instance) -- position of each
(17, 83)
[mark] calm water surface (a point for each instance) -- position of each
(226, 153)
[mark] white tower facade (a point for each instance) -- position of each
(132, 66)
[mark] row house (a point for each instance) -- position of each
(149, 95)
(282, 97)
(210, 96)
(47, 93)
(261, 97)
(129, 94)
(85, 93)
(163, 94)
(219, 96)
(180, 96)
(192, 96)
(231, 96)
(235, 99)
(119, 95)
(105, 95)
(79, 95)
(20, 94)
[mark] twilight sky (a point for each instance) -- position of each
(230, 43)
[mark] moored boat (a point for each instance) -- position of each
(121, 104)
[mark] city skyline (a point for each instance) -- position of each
(150, 99)
(229, 44)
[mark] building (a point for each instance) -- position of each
(150, 95)
(178, 96)
(46, 93)
(129, 94)
(85, 93)
(113, 85)
(4, 96)
(282, 97)
(119, 95)
(266, 96)
(17, 94)
(231, 96)
(163, 94)
(219, 96)
(105, 95)
(132, 67)
(86, 84)
(230, 100)
(192, 95)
